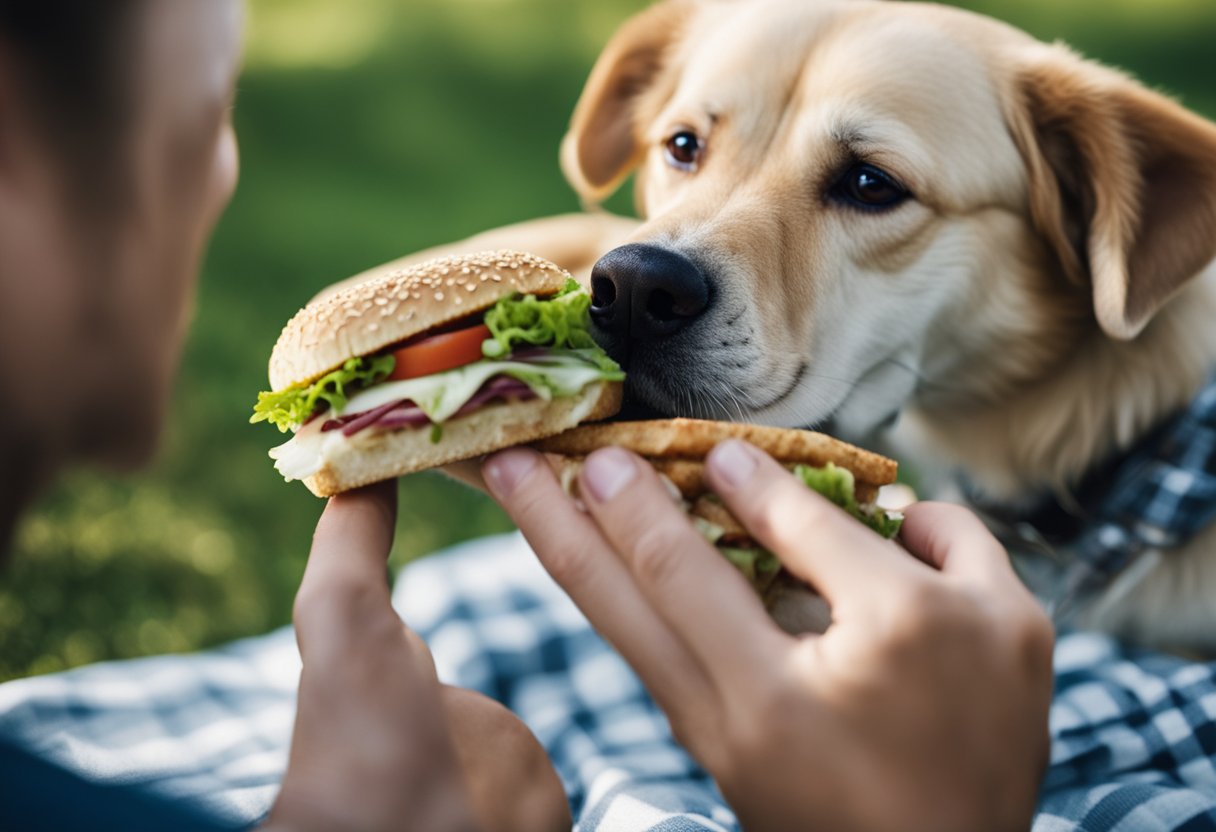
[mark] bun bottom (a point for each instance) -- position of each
(373, 456)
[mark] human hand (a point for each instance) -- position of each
(371, 747)
(924, 705)
(379, 743)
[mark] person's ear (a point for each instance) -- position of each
(1122, 183)
(628, 82)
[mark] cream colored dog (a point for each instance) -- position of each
(897, 214)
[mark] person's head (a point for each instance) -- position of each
(116, 159)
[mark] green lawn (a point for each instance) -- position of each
(368, 130)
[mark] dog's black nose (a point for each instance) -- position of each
(644, 293)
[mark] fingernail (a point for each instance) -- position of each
(734, 462)
(503, 472)
(607, 472)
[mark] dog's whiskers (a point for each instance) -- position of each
(725, 399)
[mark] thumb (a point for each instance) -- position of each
(346, 577)
(954, 541)
(354, 535)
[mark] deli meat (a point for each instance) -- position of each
(407, 414)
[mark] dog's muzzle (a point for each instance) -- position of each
(643, 295)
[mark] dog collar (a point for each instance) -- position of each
(1128, 511)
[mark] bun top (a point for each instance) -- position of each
(684, 444)
(398, 304)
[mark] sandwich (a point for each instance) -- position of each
(424, 366)
(676, 448)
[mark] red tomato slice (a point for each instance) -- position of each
(439, 353)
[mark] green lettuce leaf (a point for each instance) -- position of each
(758, 563)
(836, 484)
(561, 321)
(289, 408)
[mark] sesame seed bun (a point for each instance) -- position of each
(677, 448)
(398, 304)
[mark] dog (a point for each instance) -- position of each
(911, 223)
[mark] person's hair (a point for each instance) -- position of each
(72, 63)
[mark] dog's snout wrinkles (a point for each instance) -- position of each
(645, 293)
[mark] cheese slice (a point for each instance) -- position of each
(439, 396)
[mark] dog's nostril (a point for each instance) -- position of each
(603, 293)
(643, 293)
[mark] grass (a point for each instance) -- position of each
(368, 130)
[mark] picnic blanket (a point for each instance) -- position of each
(1134, 732)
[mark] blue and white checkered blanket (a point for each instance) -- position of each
(1134, 749)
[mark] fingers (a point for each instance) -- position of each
(703, 599)
(815, 540)
(371, 743)
(354, 535)
(570, 546)
(345, 586)
(954, 541)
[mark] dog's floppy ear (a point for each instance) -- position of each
(1122, 183)
(603, 144)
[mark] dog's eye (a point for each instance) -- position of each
(684, 150)
(866, 186)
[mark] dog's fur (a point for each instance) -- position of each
(1044, 298)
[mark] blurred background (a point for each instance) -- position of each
(369, 130)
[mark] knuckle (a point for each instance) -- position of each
(756, 506)
(653, 554)
(528, 506)
(570, 565)
(796, 514)
(762, 523)
(781, 514)
(342, 607)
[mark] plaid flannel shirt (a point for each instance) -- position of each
(1125, 516)
(1158, 498)
(1134, 733)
